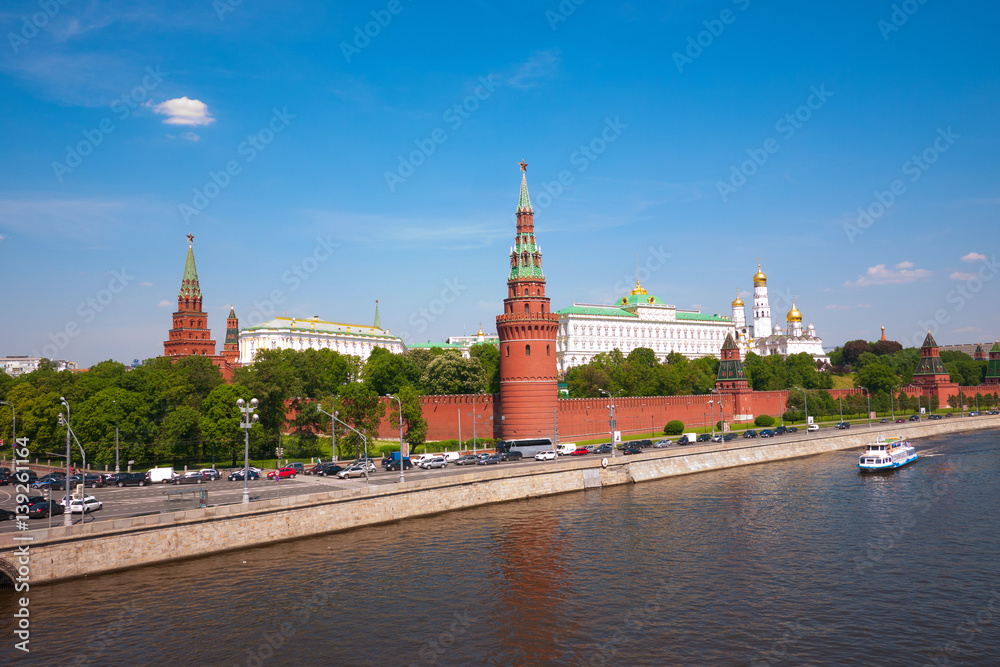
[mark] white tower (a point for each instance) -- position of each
(761, 309)
(739, 318)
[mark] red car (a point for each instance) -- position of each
(580, 451)
(281, 473)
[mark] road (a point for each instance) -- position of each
(136, 501)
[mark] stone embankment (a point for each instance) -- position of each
(66, 552)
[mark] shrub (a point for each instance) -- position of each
(673, 427)
(764, 421)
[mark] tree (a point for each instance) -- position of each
(179, 435)
(673, 427)
(414, 423)
(362, 408)
(763, 421)
(451, 374)
(877, 377)
(489, 357)
(220, 420)
(854, 349)
(386, 372)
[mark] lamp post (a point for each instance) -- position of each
(401, 466)
(68, 517)
(868, 395)
(333, 430)
(363, 439)
(13, 422)
(117, 466)
(611, 419)
(892, 402)
(247, 419)
(840, 399)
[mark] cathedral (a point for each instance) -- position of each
(761, 338)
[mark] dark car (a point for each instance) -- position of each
(727, 437)
(603, 449)
(684, 440)
(51, 483)
(7, 515)
(515, 455)
(900, 421)
(489, 460)
(704, 437)
(914, 418)
(128, 479)
(319, 466)
(23, 477)
(631, 449)
(780, 430)
(750, 433)
(93, 481)
(947, 414)
(767, 433)
(211, 474)
(643, 444)
(793, 429)
(42, 509)
(883, 421)
(193, 477)
(331, 470)
(237, 475)
(935, 417)
(843, 425)
(388, 464)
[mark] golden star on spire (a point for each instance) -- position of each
(523, 165)
(190, 240)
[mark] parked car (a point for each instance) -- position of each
(51, 483)
(717, 438)
(727, 437)
(515, 455)
(843, 425)
(358, 469)
(330, 470)
(643, 444)
(435, 462)
(914, 418)
(6, 515)
(547, 455)
(793, 429)
(282, 473)
(900, 421)
(237, 475)
(467, 460)
(883, 421)
(946, 415)
(603, 449)
(21, 477)
(88, 504)
(211, 474)
(128, 479)
(42, 509)
(683, 440)
(314, 470)
(780, 430)
(419, 461)
(812, 428)
(704, 437)
(581, 451)
(750, 433)
(490, 460)
(935, 417)
(191, 477)
(662, 443)
(766, 433)
(90, 480)
(974, 413)
(631, 449)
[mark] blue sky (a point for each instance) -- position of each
(324, 168)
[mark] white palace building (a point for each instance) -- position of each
(312, 333)
(642, 320)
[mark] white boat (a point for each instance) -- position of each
(887, 453)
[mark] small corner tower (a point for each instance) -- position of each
(527, 336)
(231, 348)
(761, 308)
(993, 367)
(190, 334)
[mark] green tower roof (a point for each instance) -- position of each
(189, 283)
(996, 347)
(929, 341)
(378, 320)
(523, 202)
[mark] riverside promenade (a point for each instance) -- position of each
(63, 552)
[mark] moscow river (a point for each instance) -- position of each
(802, 562)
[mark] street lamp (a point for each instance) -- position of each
(117, 467)
(364, 440)
(68, 518)
(13, 424)
(247, 419)
(401, 465)
(868, 395)
(333, 428)
(892, 402)
(611, 420)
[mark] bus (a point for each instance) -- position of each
(528, 447)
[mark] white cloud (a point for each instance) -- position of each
(880, 275)
(958, 275)
(973, 257)
(541, 65)
(183, 111)
(166, 303)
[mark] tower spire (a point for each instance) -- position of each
(189, 281)
(378, 320)
(523, 201)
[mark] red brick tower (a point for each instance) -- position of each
(931, 376)
(190, 334)
(231, 348)
(527, 333)
(731, 386)
(993, 367)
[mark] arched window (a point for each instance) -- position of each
(527, 350)
(506, 349)
(525, 308)
(548, 350)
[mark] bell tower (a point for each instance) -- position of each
(527, 332)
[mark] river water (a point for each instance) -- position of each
(802, 562)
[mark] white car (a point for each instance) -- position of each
(435, 462)
(88, 504)
(812, 427)
(422, 459)
(662, 443)
(548, 455)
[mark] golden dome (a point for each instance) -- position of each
(737, 302)
(759, 278)
(480, 332)
(639, 289)
(793, 315)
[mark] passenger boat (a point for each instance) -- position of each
(886, 454)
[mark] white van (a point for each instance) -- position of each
(566, 448)
(419, 460)
(450, 456)
(161, 475)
